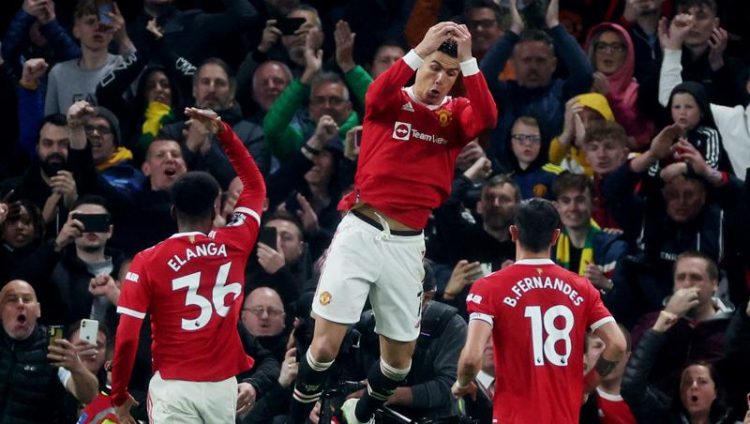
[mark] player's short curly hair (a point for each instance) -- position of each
(193, 195)
(449, 47)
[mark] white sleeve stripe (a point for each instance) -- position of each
(469, 67)
(413, 60)
(482, 317)
(595, 326)
(129, 312)
(248, 211)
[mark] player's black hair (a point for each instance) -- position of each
(449, 47)
(536, 220)
(193, 195)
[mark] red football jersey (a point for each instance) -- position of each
(612, 409)
(191, 284)
(540, 313)
(408, 150)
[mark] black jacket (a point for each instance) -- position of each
(649, 404)
(30, 391)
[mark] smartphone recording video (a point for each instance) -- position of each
(94, 222)
(288, 26)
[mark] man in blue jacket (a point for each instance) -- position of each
(534, 92)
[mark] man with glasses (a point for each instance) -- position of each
(263, 316)
(113, 161)
(483, 18)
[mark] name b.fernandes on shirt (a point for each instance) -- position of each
(533, 283)
(200, 250)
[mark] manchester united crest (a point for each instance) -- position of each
(444, 117)
(325, 298)
(539, 190)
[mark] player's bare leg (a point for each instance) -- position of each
(314, 366)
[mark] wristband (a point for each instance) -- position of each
(313, 151)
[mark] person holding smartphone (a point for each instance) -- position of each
(37, 370)
(410, 140)
(84, 255)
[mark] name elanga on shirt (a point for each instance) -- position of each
(196, 251)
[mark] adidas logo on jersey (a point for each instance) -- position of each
(407, 107)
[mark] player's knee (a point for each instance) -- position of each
(323, 350)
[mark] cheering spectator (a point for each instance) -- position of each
(77, 79)
(534, 92)
(610, 50)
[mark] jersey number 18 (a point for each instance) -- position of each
(545, 347)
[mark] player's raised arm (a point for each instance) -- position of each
(481, 113)
(253, 186)
(386, 88)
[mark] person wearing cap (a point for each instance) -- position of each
(113, 161)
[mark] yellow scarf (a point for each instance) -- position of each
(562, 251)
(118, 156)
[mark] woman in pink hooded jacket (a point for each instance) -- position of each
(610, 50)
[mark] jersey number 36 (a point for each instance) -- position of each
(220, 291)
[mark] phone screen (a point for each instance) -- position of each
(104, 9)
(358, 138)
(94, 222)
(287, 26)
(54, 332)
(267, 236)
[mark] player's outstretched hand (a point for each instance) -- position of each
(123, 411)
(459, 392)
(435, 36)
(208, 118)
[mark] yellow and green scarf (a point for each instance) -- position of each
(562, 252)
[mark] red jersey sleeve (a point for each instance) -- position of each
(479, 302)
(133, 304)
(253, 192)
(135, 293)
(385, 90)
(480, 112)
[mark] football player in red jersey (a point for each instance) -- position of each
(191, 286)
(410, 140)
(538, 315)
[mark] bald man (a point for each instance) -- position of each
(33, 373)
(264, 317)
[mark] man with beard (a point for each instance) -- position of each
(34, 372)
(477, 246)
(214, 87)
(54, 181)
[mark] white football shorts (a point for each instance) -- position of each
(366, 261)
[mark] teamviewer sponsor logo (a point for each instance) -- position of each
(401, 130)
(132, 276)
